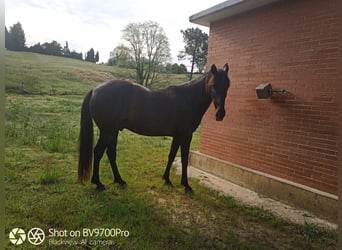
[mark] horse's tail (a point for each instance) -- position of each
(85, 141)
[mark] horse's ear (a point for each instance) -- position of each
(213, 69)
(226, 67)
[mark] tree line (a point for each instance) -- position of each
(15, 40)
(144, 47)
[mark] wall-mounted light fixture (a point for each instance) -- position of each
(265, 90)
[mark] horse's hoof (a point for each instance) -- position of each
(168, 183)
(188, 190)
(122, 183)
(100, 188)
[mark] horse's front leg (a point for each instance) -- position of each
(172, 155)
(185, 147)
(111, 153)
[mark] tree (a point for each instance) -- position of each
(182, 69)
(16, 37)
(53, 48)
(195, 49)
(149, 48)
(76, 55)
(121, 57)
(97, 57)
(7, 38)
(66, 51)
(175, 68)
(178, 69)
(37, 48)
(90, 55)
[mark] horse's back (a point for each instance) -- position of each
(116, 87)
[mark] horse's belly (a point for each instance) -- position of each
(157, 126)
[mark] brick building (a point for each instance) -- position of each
(284, 146)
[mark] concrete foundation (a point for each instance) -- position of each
(321, 204)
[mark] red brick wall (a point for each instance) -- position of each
(292, 45)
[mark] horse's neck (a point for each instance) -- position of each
(201, 99)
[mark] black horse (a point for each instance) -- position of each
(175, 111)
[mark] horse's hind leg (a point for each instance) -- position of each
(99, 149)
(172, 155)
(111, 153)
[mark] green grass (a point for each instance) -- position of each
(41, 186)
(39, 73)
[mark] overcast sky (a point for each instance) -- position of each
(98, 24)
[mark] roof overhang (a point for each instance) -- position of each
(227, 9)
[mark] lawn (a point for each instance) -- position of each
(41, 186)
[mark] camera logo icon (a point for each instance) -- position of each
(36, 236)
(17, 236)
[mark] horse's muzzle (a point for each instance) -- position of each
(220, 115)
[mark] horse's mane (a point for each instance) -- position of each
(188, 84)
(194, 81)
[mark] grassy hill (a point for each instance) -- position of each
(40, 72)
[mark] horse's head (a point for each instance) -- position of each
(217, 86)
